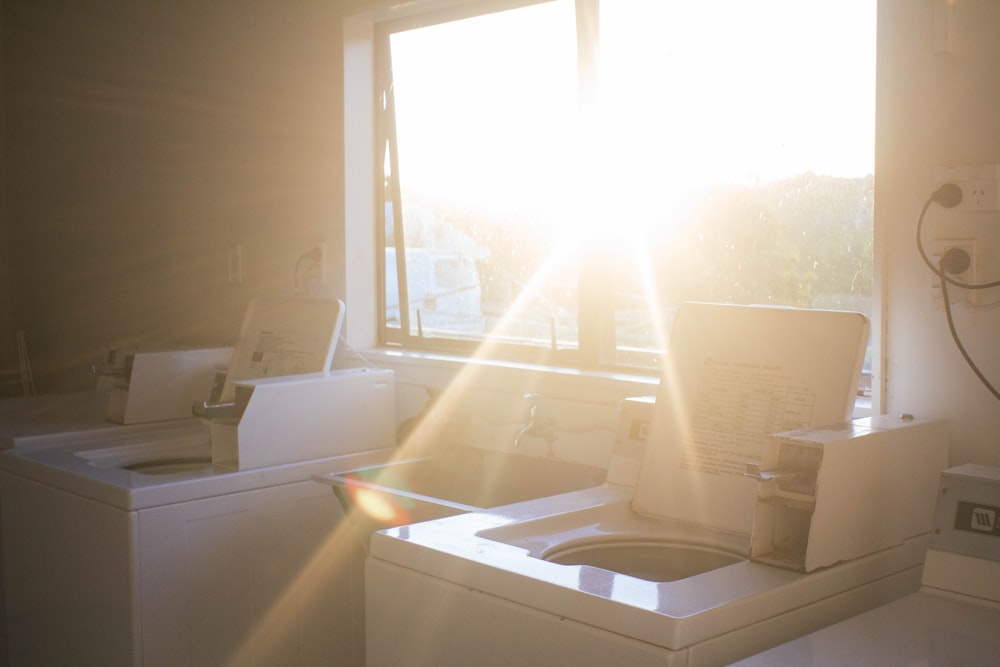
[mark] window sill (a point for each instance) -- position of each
(440, 370)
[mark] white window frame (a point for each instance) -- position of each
(364, 288)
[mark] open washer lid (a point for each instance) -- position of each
(733, 376)
(285, 335)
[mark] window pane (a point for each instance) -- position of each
(727, 156)
(737, 155)
(485, 122)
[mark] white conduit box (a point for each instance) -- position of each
(833, 494)
(302, 417)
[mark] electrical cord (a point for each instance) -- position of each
(958, 342)
(354, 352)
(949, 195)
(313, 255)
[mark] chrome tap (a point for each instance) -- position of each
(536, 427)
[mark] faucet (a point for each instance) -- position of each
(536, 427)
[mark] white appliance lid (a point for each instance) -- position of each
(734, 375)
(285, 335)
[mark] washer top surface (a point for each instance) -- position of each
(920, 629)
(498, 552)
(51, 413)
(170, 461)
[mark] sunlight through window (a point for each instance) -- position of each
(558, 189)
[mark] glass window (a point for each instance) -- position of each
(558, 177)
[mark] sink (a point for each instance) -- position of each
(463, 480)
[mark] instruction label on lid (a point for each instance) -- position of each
(734, 375)
(738, 405)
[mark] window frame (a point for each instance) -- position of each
(597, 349)
(596, 346)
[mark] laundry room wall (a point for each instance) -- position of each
(144, 143)
(938, 103)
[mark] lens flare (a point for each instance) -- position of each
(379, 506)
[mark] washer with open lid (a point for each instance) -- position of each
(658, 573)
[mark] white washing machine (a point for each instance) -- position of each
(656, 571)
(126, 545)
(38, 415)
(132, 545)
(955, 617)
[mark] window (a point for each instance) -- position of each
(559, 176)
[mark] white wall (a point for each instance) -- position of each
(937, 109)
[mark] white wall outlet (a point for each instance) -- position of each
(978, 182)
(935, 251)
(984, 269)
(974, 275)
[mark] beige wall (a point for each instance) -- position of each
(937, 109)
(143, 139)
(7, 356)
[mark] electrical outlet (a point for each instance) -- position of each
(935, 251)
(975, 274)
(978, 182)
(984, 271)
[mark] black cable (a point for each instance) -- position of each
(947, 197)
(958, 342)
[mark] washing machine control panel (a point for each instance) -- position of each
(967, 516)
